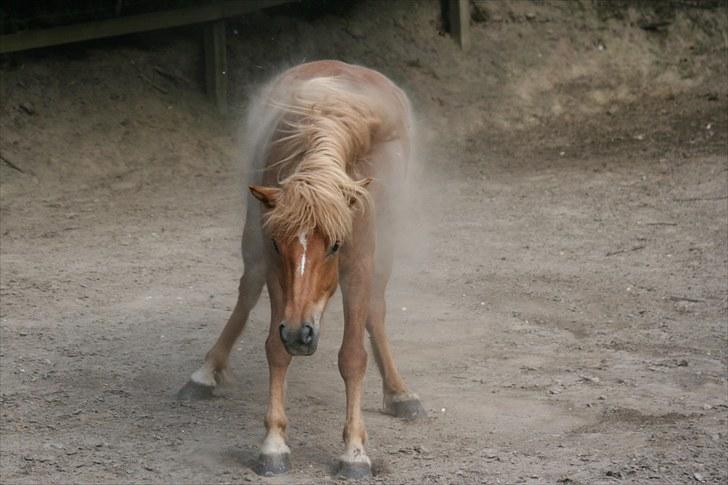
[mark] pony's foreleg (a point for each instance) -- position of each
(274, 456)
(398, 400)
(203, 380)
(355, 288)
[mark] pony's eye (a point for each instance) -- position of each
(275, 246)
(334, 247)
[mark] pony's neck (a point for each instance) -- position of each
(334, 143)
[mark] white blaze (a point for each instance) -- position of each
(302, 238)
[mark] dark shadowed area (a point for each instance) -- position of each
(560, 299)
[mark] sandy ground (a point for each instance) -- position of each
(562, 309)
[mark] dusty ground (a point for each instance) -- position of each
(563, 314)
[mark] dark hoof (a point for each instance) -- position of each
(193, 391)
(408, 410)
(354, 471)
(269, 465)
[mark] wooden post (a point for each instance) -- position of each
(216, 67)
(459, 21)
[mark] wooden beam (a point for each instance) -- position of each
(459, 21)
(216, 69)
(34, 39)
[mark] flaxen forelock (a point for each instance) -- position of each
(329, 127)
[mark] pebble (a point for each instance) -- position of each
(594, 380)
(28, 108)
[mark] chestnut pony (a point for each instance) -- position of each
(329, 144)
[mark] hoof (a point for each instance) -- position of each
(408, 410)
(194, 391)
(353, 471)
(269, 465)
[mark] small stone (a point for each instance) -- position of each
(355, 32)
(699, 477)
(707, 406)
(27, 107)
(591, 379)
(682, 307)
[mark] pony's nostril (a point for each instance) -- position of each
(307, 334)
(284, 333)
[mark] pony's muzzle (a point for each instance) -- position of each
(301, 340)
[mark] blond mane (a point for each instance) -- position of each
(325, 129)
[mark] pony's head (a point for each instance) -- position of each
(307, 225)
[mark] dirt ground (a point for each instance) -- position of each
(560, 303)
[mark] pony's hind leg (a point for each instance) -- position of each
(203, 381)
(398, 400)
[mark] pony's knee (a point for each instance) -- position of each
(275, 352)
(352, 361)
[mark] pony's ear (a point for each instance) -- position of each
(267, 195)
(363, 183)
